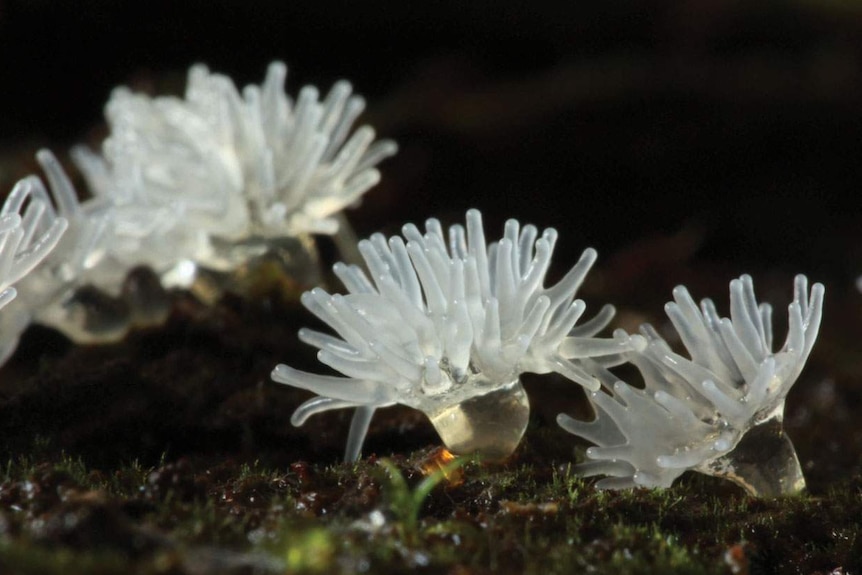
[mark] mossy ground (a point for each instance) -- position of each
(171, 452)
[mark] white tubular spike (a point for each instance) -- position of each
(479, 250)
(358, 430)
(681, 460)
(412, 234)
(676, 407)
(342, 388)
(586, 347)
(10, 240)
(353, 278)
(409, 282)
(577, 374)
(716, 356)
(685, 317)
(8, 224)
(558, 329)
(333, 106)
(355, 106)
(350, 155)
(534, 274)
(800, 293)
(795, 342)
(724, 405)
(439, 263)
(6, 296)
(39, 248)
(33, 219)
(375, 263)
(595, 324)
(434, 235)
(317, 405)
(457, 283)
(512, 234)
(813, 316)
(534, 318)
(236, 166)
(434, 296)
(458, 242)
(744, 360)
(401, 361)
(572, 281)
(325, 341)
(376, 153)
(766, 319)
(753, 312)
(30, 229)
(505, 286)
(743, 324)
(61, 185)
(526, 246)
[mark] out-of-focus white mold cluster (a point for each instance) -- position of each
(204, 183)
(30, 228)
(211, 178)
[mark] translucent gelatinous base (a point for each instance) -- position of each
(258, 267)
(89, 315)
(764, 462)
(489, 425)
(149, 303)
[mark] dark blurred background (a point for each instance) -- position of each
(682, 139)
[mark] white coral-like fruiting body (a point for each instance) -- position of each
(719, 411)
(446, 324)
(30, 229)
(187, 174)
(59, 291)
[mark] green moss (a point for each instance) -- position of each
(389, 517)
(26, 559)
